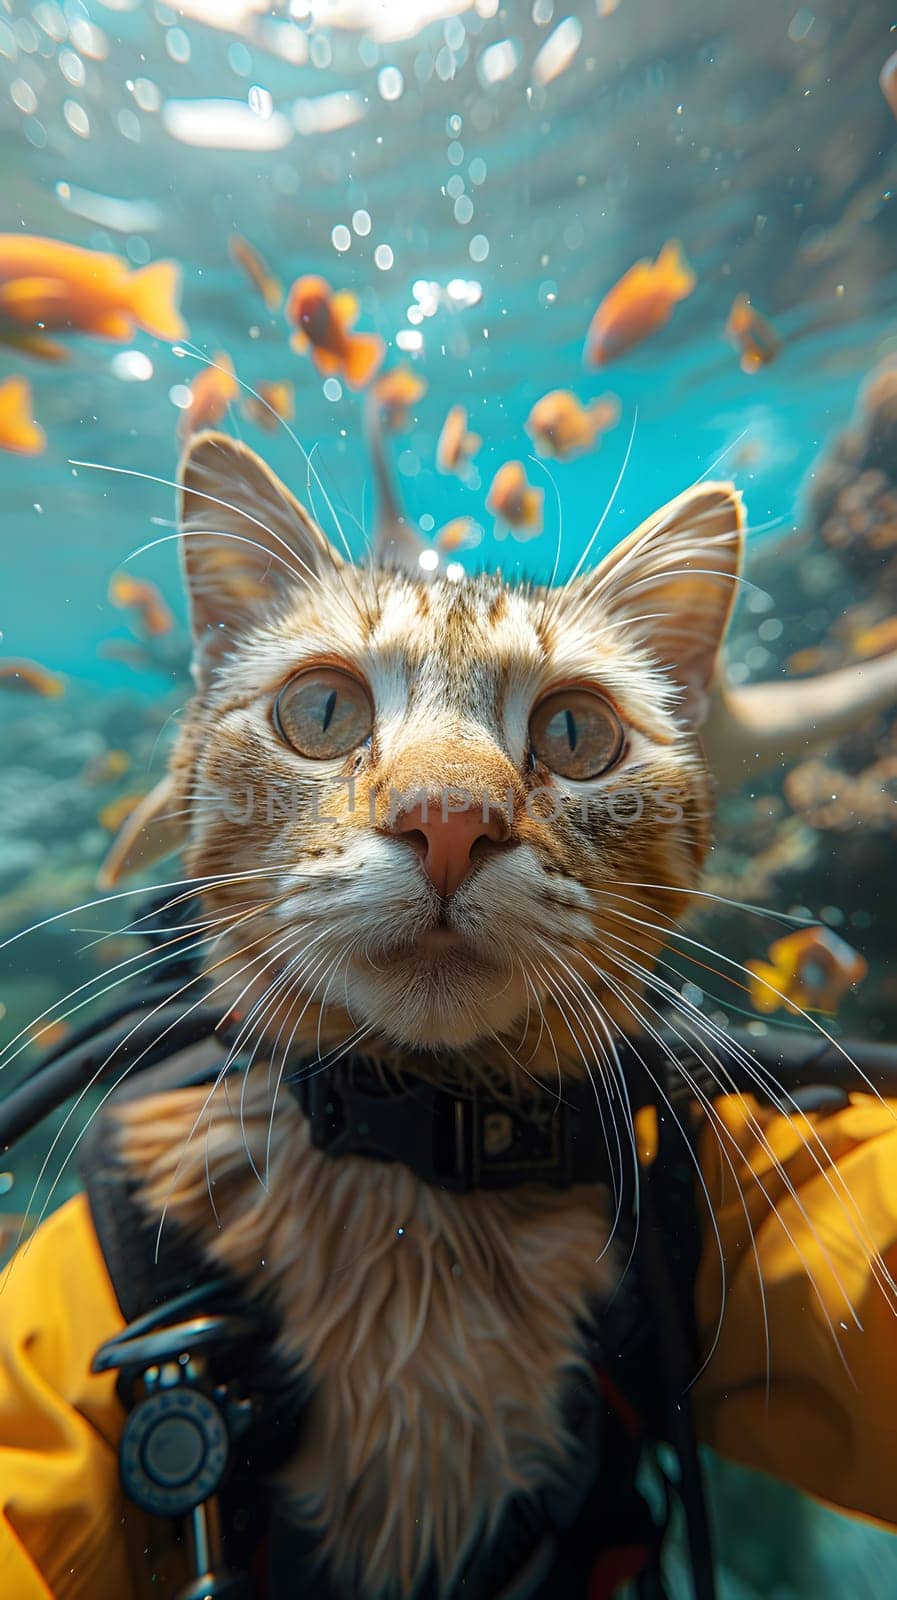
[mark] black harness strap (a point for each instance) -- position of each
(579, 1542)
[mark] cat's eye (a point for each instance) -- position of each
(323, 713)
(576, 734)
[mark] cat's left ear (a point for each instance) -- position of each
(246, 544)
(675, 580)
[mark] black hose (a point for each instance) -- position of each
(142, 1043)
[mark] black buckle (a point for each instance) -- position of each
(457, 1142)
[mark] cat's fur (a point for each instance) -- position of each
(438, 1330)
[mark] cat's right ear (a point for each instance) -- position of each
(246, 544)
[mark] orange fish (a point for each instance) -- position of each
(16, 673)
(396, 392)
(18, 430)
(459, 534)
(877, 640)
(754, 338)
(641, 302)
(272, 403)
(811, 659)
(47, 1035)
(456, 445)
(107, 767)
(561, 426)
(888, 81)
(47, 286)
(213, 389)
(812, 969)
(514, 502)
(749, 454)
(118, 811)
(323, 322)
(130, 654)
(138, 594)
(257, 270)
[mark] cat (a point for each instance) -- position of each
(344, 715)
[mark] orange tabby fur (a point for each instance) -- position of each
(437, 1354)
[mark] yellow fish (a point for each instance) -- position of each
(19, 432)
(49, 286)
(812, 970)
(561, 426)
(639, 304)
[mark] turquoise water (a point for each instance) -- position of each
(705, 122)
(757, 134)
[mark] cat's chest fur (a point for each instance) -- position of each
(438, 1332)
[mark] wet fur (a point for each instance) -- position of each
(437, 1354)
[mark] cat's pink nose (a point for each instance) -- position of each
(450, 844)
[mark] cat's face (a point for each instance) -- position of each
(434, 800)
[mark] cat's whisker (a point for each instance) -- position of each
(720, 1127)
(589, 546)
(722, 1077)
(288, 1046)
(714, 1122)
(191, 349)
(807, 1016)
(129, 968)
(595, 1057)
(824, 1162)
(220, 1078)
(205, 997)
(720, 899)
(303, 573)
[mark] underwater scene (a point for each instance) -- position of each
(501, 279)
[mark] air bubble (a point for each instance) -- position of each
(23, 97)
(390, 83)
(72, 68)
(132, 366)
(261, 101)
(77, 118)
(178, 45)
(383, 257)
(361, 222)
(239, 60)
(341, 238)
(146, 94)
